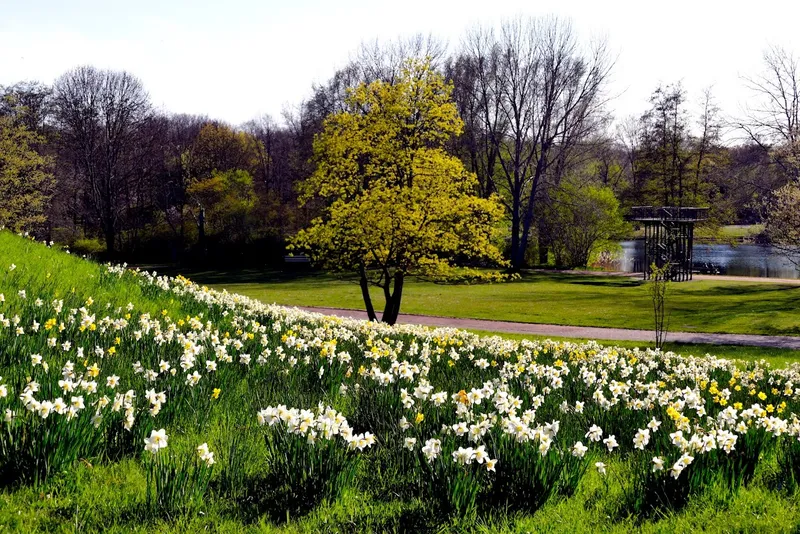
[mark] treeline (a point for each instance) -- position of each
(90, 162)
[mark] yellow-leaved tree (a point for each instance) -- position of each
(395, 203)
(26, 183)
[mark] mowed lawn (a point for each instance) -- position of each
(550, 298)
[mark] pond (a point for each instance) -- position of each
(738, 260)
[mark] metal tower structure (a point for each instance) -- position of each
(668, 237)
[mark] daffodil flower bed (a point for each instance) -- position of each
(473, 421)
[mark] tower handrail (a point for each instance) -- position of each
(667, 213)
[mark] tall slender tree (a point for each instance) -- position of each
(102, 115)
(541, 94)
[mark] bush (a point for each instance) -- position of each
(88, 246)
(579, 219)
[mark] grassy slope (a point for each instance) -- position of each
(699, 306)
(110, 497)
(49, 273)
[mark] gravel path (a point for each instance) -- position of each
(725, 278)
(587, 332)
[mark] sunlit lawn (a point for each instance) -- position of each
(551, 298)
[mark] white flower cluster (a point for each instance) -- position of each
(522, 392)
(324, 423)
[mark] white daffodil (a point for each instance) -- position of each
(611, 443)
(601, 467)
(658, 464)
(595, 433)
(156, 441)
(579, 449)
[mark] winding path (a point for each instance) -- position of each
(586, 332)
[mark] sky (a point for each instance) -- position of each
(238, 59)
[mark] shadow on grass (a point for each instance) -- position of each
(606, 283)
(259, 276)
(580, 279)
(739, 289)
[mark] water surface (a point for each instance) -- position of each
(738, 260)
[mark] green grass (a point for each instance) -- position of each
(60, 275)
(101, 495)
(110, 499)
(723, 234)
(548, 298)
(731, 231)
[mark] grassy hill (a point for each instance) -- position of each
(328, 425)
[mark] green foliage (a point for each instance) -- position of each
(455, 488)
(32, 450)
(582, 218)
(218, 148)
(89, 246)
(175, 483)
(789, 465)
(394, 202)
(657, 288)
(26, 184)
(228, 199)
(528, 478)
(723, 473)
(301, 475)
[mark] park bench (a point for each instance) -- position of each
(300, 261)
(302, 258)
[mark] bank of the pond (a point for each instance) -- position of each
(746, 259)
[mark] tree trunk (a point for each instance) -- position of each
(365, 294)
(109, 237)
(524, 236)
(542, 245)
(201, 232)
(392, 309)
(516, 257)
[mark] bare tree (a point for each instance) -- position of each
(268, 133)
(377, 60)
(541, 95)
(783, 222)
(708, 153)
(180, 133)
(774, 122)
(28, 102)
(101, 114)
(373, 60)
(482, 123)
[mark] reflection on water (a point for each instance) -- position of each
(739, 260)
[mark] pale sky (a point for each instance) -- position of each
(237, 59)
